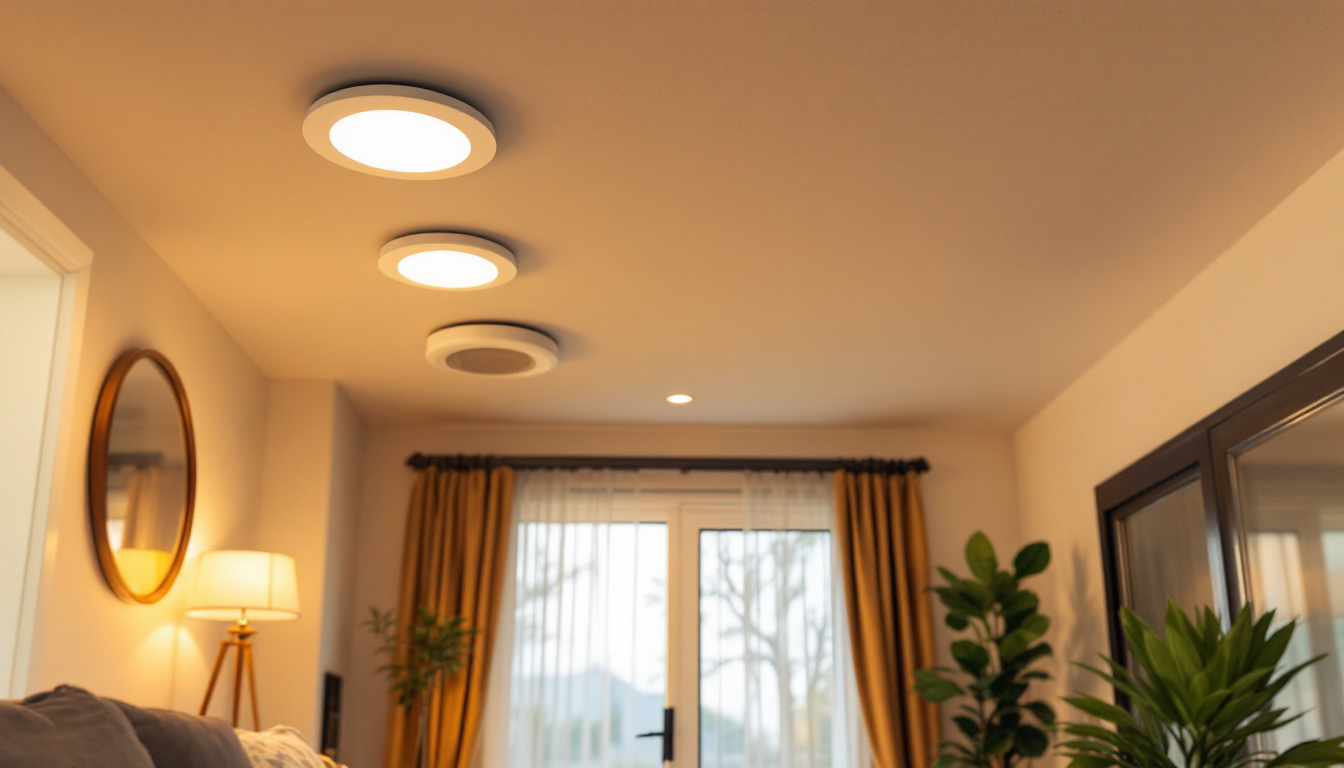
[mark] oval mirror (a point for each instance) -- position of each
(142, 476)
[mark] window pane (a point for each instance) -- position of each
(1290, 495)
(1166, 553)
(590, 645)
(768, 686)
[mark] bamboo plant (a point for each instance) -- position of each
(994, 666)
(1200, 698)
(435, 647)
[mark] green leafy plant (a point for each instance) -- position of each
(434, 648)
(1199, 698)
(993, 671)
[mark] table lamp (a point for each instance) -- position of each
(243, 587)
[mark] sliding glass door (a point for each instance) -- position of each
(767, 671)
(590, 649)
(692, 628)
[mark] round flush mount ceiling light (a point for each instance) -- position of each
(399, 131)
(679, 399)
(448, 261)
(492, 349)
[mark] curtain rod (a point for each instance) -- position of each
(684, 463)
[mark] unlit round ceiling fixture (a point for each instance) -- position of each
(492, 349)
(399, 131)
(448, 261)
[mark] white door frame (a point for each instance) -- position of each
(25, 218)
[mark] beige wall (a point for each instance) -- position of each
(314, 443)
(1275, 294)
(971, 487)
(347, 466)
(87, 636)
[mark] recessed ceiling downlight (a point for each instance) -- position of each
(679, 399)
(448, 261)
(399, 131)
(492, 349)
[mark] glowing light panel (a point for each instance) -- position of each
(447, 269)
(397, 140)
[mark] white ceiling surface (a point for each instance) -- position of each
(802, 213)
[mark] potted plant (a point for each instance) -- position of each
(994, 665)
(434, 647)
(1199, 698)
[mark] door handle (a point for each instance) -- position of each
(668, 734)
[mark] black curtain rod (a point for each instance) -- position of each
(683, 463)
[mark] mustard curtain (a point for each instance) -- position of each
(884, 556)
(457, 538)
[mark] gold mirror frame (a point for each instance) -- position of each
(98, 466)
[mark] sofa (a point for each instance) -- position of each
(69, 727)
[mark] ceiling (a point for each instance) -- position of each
(800, 212)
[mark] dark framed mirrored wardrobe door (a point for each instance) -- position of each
(1280, 476)
(1245, 510)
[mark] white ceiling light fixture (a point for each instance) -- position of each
(679, 399)
(399, 131)
(448, 261)
(492, 349)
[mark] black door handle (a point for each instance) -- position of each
(668, 734)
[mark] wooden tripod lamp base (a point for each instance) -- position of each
(242, 587)
(241, 643)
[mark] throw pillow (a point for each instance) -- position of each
(176, 739)
(278, 747)
(68, 728)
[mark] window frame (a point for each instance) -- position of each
(1209, 449)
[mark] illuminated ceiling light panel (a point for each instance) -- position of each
(447, 261)
(400, 132)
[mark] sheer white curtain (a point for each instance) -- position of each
(589, 635)
(587, 660)
(776, 681)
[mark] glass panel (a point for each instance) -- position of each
(590, 647)
(768, 689)
(146, 477)
(1290, 495)
(1166, 553)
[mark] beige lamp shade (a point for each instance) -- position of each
(233, 585)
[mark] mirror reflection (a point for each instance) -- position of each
(1290, 495)
(1166, 554)
(146, 477)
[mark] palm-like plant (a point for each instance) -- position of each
(1200, 697)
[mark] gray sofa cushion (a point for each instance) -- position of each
(68, 728)
(179, 740)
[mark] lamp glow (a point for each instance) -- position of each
(447, 269)
(242, 586)
(236, 585)
(679, 399)
(401, 141)
(143, 570)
